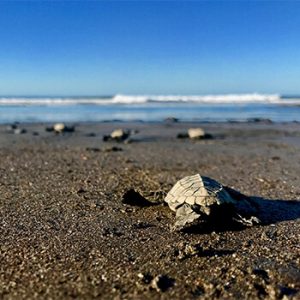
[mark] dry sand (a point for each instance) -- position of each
(65, 233)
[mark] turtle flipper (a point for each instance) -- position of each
(185, 215)
(246, 221)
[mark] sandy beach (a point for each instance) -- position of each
(65, 232)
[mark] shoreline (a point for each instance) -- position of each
(168, 120)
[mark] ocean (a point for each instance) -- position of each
(150, 108)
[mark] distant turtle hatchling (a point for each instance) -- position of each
(197, 196)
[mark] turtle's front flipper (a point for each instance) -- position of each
(185, 215)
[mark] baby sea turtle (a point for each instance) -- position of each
(117, 135)
(60, 128)
(197, 196)
(196, 133)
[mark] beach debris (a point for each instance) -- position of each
(198, 134)
(60, 128)
(131, 197)
(199, 197)
(162, 283)
(118, 135)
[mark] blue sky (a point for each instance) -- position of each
(140, 47)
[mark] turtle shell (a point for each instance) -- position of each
(195, 196)
(197, 190)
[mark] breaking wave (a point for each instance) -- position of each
(210, 99)
(143, 99)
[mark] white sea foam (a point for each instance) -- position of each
(48, 101)
(228, 98)
(142, 99)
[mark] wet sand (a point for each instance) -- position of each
(65, 233)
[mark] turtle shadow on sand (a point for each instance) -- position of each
(269, 211)
(275, 211)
